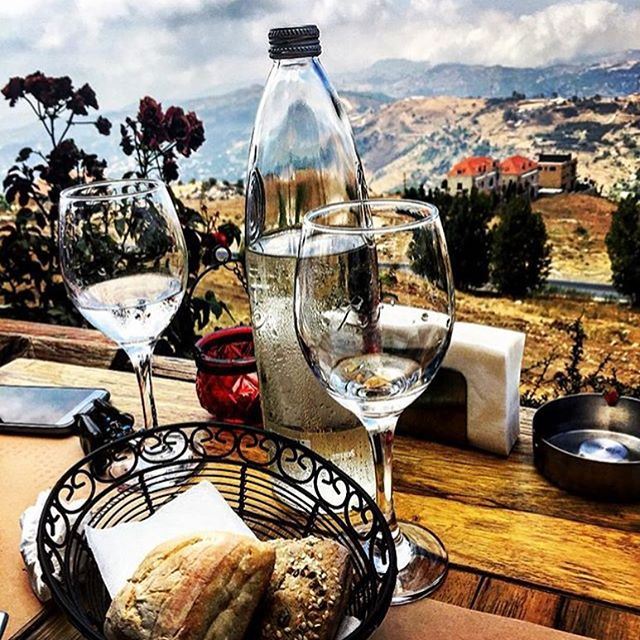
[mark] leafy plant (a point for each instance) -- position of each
(155, 138)
(520, 254)
(29, 280)
(30, 283)
(623, 246)
(571, 378)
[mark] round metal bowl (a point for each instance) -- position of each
(587, 447)
(280, 488)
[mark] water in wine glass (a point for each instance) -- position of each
(131, 309)
(375, 375)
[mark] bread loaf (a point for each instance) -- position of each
(308, 593)
(192, 588)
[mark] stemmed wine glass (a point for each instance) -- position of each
(124, 263)
(374, 311)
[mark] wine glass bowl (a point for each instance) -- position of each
(123, 261)
(374, 311)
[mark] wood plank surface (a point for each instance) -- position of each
(59, 343)
(597, 621)
(507, 529)
(517, 601)
(75, 345)
(484, 480)
(581, 559)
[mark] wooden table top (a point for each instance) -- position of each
(519, 547)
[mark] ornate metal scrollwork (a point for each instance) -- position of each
(278, 486)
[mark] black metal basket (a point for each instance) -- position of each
(279, 487)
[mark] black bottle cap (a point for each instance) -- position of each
(294, 42)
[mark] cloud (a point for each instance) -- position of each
(169, 49)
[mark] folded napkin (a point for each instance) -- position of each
(490, 359)
(432, 620)
(200, 508)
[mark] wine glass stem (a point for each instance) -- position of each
(140, 356)
(381, 433)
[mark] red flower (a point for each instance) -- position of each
(151, 118)
(196, 134)
(103, 126)
(150, 112)
(88, 96)
(76, 105)
(169, 169)
(42, 88)
(176, 124)
(13, 90)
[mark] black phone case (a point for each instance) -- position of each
(50, 430)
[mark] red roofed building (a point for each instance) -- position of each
(480, 172)
(522, 172)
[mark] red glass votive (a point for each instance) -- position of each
(227, 380)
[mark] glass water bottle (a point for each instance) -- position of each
(302, 156)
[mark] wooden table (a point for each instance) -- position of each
(519, 547)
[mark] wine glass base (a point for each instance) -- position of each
(422, 563)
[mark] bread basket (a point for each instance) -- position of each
(279, 487)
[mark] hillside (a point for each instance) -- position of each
(577, 225)
(611, 328)
(418, 139)
(403, 137)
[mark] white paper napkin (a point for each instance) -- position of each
(119, 550)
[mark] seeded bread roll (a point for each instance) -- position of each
(308, 593)
(198, 587)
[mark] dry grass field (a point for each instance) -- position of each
(612, 329)
(577, 225)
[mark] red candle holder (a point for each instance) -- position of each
(227, 380)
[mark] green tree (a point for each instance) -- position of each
(520, 253)
(465, 219)
(466, 227)
(623, 246)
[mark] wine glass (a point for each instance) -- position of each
(374, 311)
(124, 263)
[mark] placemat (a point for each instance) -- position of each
(27, 466)
(433, 620)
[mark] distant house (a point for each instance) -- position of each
(480, 172)
(521, 172)
(558, 171)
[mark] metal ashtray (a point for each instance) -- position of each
(585, 446)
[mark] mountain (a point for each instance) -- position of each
(414, 140)
(228, 121)
(406, 130)
(612, 75)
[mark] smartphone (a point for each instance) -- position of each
(44, 411)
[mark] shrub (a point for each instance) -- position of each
(548, 383)
(468, 239)
(520, 254)
(465, 219)
(623, 246)
(30, 282)
(155, 138)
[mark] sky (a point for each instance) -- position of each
(174, 49)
